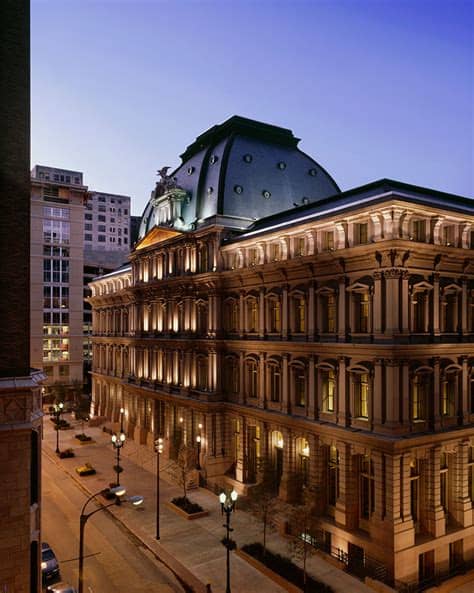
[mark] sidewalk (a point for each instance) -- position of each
(191, 549)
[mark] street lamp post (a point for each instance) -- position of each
(118, 442)
(227, 506)
(122, 412)
(118, 491)
(159, 451)
(58, 410)
(198, 444)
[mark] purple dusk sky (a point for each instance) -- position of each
(374, 88)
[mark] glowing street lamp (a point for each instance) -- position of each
(118, 441)
(227, 506)
(118, 491)
(58, 410)
(159, 451)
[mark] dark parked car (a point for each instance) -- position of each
(49, 563)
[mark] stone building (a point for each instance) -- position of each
(329, 332)
(20, 398)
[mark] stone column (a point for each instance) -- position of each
(464, 306)
(392, 302)
(341, 309)
(242, 327)
(461, 504)
(436, 415)
(311, 325)
(376, 416)
(311, 406)
(347, 506)
(261, 313)
(261, 381)
(436, 306)
(284, 313)
(342, 417)
(405, 300)
(465, 395)
(392, 393)
(434, 512)
(377, 303)
(285, 386)
(242, 394)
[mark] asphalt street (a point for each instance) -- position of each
(115, 562)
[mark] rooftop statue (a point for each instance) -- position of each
(165, 183)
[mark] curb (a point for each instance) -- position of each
(186, 578)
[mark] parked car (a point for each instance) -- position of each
(85, 470)
(49, 563)
(61, 588)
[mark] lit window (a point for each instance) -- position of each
(328, 388)
(361, 233)
(361, 394)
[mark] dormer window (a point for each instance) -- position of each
(275, 252)
(328, 240)
(252, 257)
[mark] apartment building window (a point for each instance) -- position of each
(51, 212)
(361, 233)
(101, 228)
(88, 215)
(360, 383)
(77, 180)
(111, 229)
(101, 238)
(274, 381)
(102, 208)
(55, 251)
(125, 211)
(328, 240)
(367, 487)
(328, 388)
(63, 371)
(420, 311)
(125, 241)
(449, 312)
(101, 198)
(55, 297)
(333, 475)
(101, 218)
(56, 270)
(88, 226)
(87, 237)
(112, 219)
(418, 230)
(55, 349)
(125, 231)
(56, 231)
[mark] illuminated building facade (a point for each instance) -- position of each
(328, 332)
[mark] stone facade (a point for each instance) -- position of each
(336, 341)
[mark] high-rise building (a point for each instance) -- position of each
(107, 229)
(20, 398)
(57, 261)
(329, 333)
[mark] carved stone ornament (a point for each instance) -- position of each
(165, 183)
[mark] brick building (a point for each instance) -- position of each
(328, 332)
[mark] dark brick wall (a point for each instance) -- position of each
(14, 186)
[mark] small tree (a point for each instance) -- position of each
(302, 523)
(262, 500)
(185, 464)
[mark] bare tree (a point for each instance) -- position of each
(302, 523)
(184, 466)
(262, 500)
